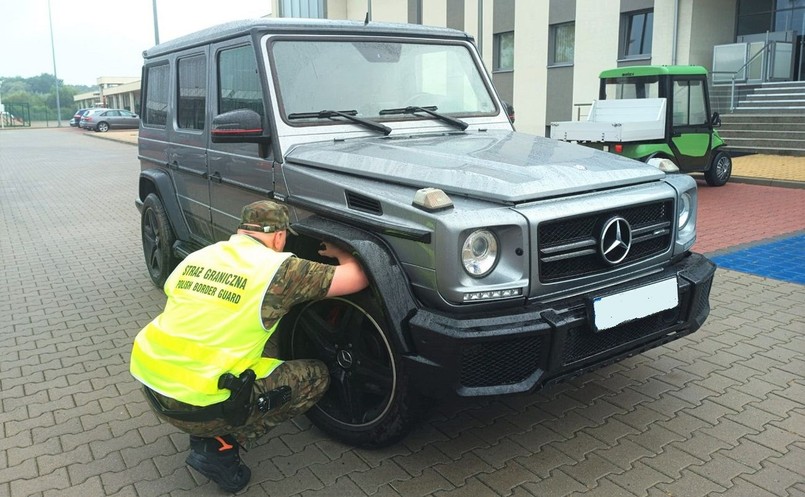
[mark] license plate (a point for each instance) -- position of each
(612, 310)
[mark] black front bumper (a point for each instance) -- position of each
(545, 344)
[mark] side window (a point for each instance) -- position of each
(157, 82)
(689, 103)
(238, 81)
(192, 87)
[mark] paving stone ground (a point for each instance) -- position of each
(718, 413)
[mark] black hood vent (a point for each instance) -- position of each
(364, 204)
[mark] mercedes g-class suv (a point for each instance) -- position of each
(499, 262)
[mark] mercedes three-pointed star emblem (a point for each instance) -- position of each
(616, 240)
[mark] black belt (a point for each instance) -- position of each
(197, 414)
(235, 410)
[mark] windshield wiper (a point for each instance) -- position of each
(346, 114)
(458, 123)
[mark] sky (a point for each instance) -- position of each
(93, 39)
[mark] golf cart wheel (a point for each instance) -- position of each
(157, 238)
(720, 170)
(368, 403)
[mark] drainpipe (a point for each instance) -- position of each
(676, 34)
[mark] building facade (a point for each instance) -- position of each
(544, 56)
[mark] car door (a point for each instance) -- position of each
(690, 126)
(129, 119)
(187, 151)
(238, 175)
(112, 118)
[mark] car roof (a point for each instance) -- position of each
(629, 71)
(301, 26)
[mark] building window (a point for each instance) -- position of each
(302, 8)
(157, 82)
(638, 34)
(192, 101)
(562, 43)
(239, 81)
(503, 58)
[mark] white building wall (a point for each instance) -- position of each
(434, 13)
(530, 65)
(597, 31)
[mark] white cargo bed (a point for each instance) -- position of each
(627, 120)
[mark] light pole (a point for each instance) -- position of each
(53, 54)
(156, 23)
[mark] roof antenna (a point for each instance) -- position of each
(366, 21)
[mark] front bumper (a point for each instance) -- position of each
(545, 344)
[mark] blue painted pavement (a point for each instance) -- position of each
(782, 259)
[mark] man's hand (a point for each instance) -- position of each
(349, 276)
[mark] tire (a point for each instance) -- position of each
(720, 170)
(102, 126)
(158, 238)
(369, 403)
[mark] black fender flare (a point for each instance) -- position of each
(381, 266)
(159, 182)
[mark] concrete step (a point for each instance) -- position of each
(762, 133)
(757, 149)
(770, 143)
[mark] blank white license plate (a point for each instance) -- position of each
(612, 310)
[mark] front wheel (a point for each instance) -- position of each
(158, 238)
(720, 170)
(369, 403)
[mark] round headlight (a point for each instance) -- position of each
(683, 213)
(480, 253)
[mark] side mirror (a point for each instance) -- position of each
(238, 126)
(715, 121)
(509, 110)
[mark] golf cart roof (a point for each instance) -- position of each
(622, 72)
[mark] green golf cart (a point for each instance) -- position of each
(655, 114)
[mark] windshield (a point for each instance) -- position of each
(631, 87)
(369, 77)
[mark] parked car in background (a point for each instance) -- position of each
(105, 119)
(76, 120)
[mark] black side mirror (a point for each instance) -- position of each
(238, 126)
(509, 110)
(715, 121)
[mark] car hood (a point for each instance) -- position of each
(501, 166)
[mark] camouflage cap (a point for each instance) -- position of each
(265, 216)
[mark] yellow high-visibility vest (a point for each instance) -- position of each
(211, 323)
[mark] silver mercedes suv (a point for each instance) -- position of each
(499, 262)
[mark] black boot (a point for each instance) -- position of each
(217, 459)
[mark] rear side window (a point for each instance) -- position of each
(157, 85)
(192, 101)
(238, 81)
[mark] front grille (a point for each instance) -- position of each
(505, 362)
(568, 247)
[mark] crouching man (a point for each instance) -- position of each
(206, 363)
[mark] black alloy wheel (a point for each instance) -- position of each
(158, 238)
(368, 403)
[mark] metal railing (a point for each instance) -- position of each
(734, 74)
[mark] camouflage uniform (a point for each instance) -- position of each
(297, 280)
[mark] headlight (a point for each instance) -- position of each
(683, 211)
(480, 253)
